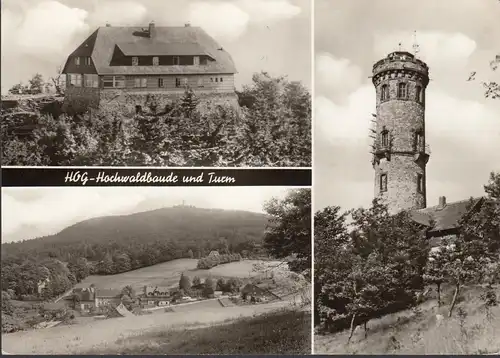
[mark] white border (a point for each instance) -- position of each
(312, 168)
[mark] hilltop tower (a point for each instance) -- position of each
(400, 153)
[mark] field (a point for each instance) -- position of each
(283, 331)
(101, 334)
(468, 331)
(168, 273)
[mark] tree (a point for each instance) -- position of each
(434, 272)
(184, 282)
(221, 285)
(288, 235)
(36, 84)
(196, 281)
(190, 254)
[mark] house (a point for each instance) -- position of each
(255, 293)
(42, 284)
(106, 297)
(129, 66)
(443, 219)
(81, 299)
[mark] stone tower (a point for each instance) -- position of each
(400, 153)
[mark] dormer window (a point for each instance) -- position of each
(77, 61)
(384, 93)
(196, 60)
(87, 61)
(176, 60)
(156, 61)
(402, 90)
(135, 61)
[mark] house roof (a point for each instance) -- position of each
(101, 45)
(444, 217)
(83, 294)
(107, 293)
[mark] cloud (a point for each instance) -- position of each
(442, 49)
(130, 13)
(347, 123)
(229, 20)
(47, 28)
(30, 212)
(336, 75)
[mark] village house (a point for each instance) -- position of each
(131, 65)
(87, 299)
(443, 219)
(256, 293)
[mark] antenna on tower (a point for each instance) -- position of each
(416, 47)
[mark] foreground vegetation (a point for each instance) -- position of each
(380, 265)
(282, 332)
(425, 330)
(271, 128)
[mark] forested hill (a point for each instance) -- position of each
(113, 244)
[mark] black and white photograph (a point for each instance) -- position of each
(156, 271)
(406, 177)
(172, 83)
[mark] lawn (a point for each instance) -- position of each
(167, 274)
(285, 331)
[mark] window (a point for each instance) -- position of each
(77, 61)
(384, 93)
(200, 81)
(161, 83)
(203, 60)
(75, 80)
(385, 139)
(87, 61)
(418, 94)
(156, 61)
(221, 79)
(135, 61)
(141, 82)
(420, 183)
(419, 140)
(402, 93)
(196, 60)
(216, 79)
(177, 82)
(113, 81)
(211, 79)
(91, 81)
(176, 60)
(383, 182)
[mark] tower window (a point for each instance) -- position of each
(402, 90)
(384, 93)
(385, 139)
(419, 140)
(383, 182)
(420, 183)
(418, 94)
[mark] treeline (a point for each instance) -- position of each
(272, 128)
(214, 260)
(380, 263)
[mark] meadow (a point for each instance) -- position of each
(167, 274)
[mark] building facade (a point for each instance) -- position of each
(130, 65)
(400, 152)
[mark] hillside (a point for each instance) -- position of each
(119, 244)
(471, 330)
(178, 224)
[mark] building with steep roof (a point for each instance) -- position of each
(128, 65)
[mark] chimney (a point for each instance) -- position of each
(152, 29)
(108, 24)
(442, 201)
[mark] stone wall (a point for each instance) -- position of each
(401, 119)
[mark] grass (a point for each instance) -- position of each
(469, 331)
(285, 331)
(167, 274)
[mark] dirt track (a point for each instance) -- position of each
(83, 337)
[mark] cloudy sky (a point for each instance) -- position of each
(33, 212)
(261, 35)
(455, 37)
